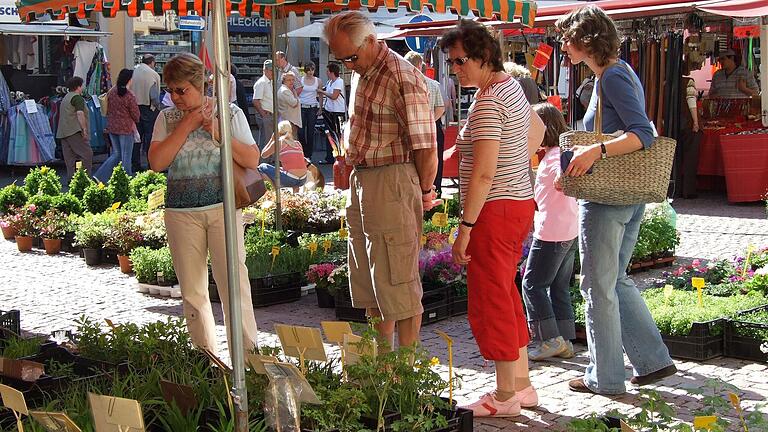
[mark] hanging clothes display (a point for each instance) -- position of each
(31, 140)
(96, 123)
(84, 52)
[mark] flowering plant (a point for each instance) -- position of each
(328, 276)
(53, 225)
(124, 234)
(22, 219)
(438, 267)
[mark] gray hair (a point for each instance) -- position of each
(286, 75)
(516, 70)
(352, 23)
(414, 58)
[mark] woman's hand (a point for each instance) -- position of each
(583, 159)
(459, 249)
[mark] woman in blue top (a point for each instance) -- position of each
(617, 318)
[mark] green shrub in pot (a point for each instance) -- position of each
(12, 196)
(67, 204)
(657, 236)
(144, 183)
(124, 234)
(165, 266)
(42, 180)
(91, 230)
(97, 198)
(79, 183)
(119, 185)
(145, 265)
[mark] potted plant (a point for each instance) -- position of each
(90, 233)
(325, 287)
(52, 227)
(124, 236)
(22, 221)
(10, 196)
(42, 180)
(79, 183)
(144, 266)
(119, 185)
(97, 198)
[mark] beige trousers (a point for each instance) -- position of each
(191, 236)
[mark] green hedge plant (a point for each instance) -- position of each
(42, 180)
(12, 196)
(67, 204)
(144, 183)
(79, 183)
(97, 198)
(119, 185)
(42, 203)
(91, 230)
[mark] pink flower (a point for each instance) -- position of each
(696, 262)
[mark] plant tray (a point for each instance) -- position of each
(276, 289)
(83, 367)
(740, 337)
(10, 320)
(436, 305)
(581, 334)
(459, 420)
(344, 309)
(702, 343)
(641, 266)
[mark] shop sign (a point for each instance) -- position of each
(250, 24)
(9, 13)
(191, 23)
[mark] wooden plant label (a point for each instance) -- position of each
(625, 427)
(336, 330)
(343, 233)
(110, 412)
(668, 290)
(156, 199)
(182, 395)
(326, 246)
(248, 218)
(304, 343)
(257, 362)
(78, 165)
(440, 220)
(55, 421)
(13, 399)
(312, 249)
(355, 347)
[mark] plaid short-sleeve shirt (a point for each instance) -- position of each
(390, 115)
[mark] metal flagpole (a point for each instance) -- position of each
(234, 314)
(277, 145)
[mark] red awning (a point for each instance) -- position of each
(627, 9)
(738, 8)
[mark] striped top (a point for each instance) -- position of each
(501, 113)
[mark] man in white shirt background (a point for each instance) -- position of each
(145, 85)
(263, 102)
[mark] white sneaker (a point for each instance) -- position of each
(549, 348)
(489, 406)
(569, 352)
(528, 397)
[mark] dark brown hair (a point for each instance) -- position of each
(590, 29)
(554, 121)
(478, 42)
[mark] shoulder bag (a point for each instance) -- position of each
(634, 178)
(249, 185)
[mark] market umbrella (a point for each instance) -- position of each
(30, 9)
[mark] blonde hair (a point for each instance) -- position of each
(516, 70)
(185, 67)
(352, 23)
(286, 75)
(414, 58)
(285, 129)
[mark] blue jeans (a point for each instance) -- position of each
(285, 179)
(616, 315)
(307, 131)
(546, 289)
(122, 151)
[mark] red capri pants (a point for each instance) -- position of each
(496, 313)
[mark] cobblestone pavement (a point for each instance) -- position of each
(52, 292)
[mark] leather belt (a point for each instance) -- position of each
(310, 106)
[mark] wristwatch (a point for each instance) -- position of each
(467, 224)
(603, 152)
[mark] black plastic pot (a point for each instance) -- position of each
(92, 256)
(324, 298)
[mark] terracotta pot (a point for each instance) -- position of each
(125, 264)
(9, 233)
(24, 243)
(52, 246)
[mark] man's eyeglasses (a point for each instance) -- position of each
(179, 91)
(353, 58)
(458, 61)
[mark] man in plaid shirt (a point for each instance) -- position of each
(391, 144)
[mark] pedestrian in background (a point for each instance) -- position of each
(547, 279)
(186, 143)
(392, 148)
(73, 129)
(122, 116)
(438, 108)
(309, 105)
(523, 76)
(497, 202)
(334, 108)
(618, 320)
(145, 86)
(284, 67)
(288, 106)
(262, 101)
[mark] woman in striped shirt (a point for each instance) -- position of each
(496, 144)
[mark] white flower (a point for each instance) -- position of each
(764, 347)
(762, 271)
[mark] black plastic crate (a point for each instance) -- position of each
(459, 420)
(436, 305)
(10, 320)
(344, 309)
(704, 342)
(742, 338)
(276, 289)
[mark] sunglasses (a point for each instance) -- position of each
(179, 91)
(458, 61)
(353, 58)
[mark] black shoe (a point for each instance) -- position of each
(654, 376)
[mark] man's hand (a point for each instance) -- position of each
(583, 159)
(429, 200)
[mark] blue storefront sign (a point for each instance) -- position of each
(251, 24)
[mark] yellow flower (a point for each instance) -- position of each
(434, 361)
(101, 185)
(115, 206)
(44, 169)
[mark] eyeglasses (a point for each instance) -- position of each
(179, 91)
(458, 61)
(353, 58)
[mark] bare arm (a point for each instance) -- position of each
(269, 148)
(426, 166)
(486, 155)
(535, 133)
(257, 104)
(439, 111)
(742, 86)
(83, 120)
(162, 153)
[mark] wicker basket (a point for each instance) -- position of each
(634, 178)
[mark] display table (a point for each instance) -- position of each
(745, 164)
(710, 168)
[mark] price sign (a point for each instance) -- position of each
(156, 199)
(704, 422)
(423, 240)
(275, 252)
(96, 101)
(453, 234)
(343, 233)
(115, 206)
(79, 165)
(248, 218)
(668, 290)
(698, 283)
(440, 220)
(735, 401)
(326, 245)
(31, 106)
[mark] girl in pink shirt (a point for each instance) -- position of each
(548, 272)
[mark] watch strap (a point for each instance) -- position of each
(467, 224)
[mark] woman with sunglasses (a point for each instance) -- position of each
(496, 144)
(185, 142)
(617, 318)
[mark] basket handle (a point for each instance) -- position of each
(599, 114)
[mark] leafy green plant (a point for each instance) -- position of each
(92, 230)
(23, 220)
(657, 236)
(135, 205)
(79, 183)
(97, 198)
(42, 180)
(67, 204)
(52, 225)
(124, 234)
(152, 226)
(165, 267)
(675, 314)
(144, 265)
(119, 185)
(146, 182)
(12, 196)
(18, 347)
(42, 203)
